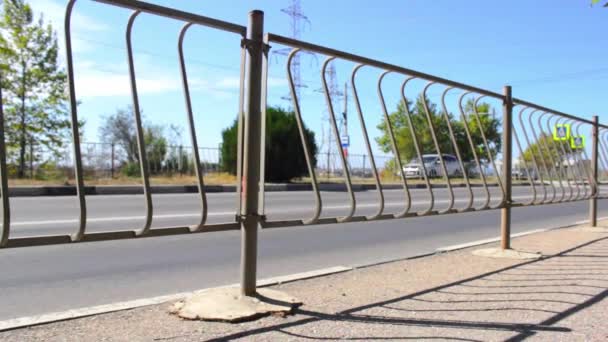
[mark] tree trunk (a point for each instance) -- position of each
(23, 132)
(22, 146)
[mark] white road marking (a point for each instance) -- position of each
(122, 218)
(224, 213)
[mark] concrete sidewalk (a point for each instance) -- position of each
(451, 296)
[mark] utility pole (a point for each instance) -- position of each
(334, 94)
(297, 21)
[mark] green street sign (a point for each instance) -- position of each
(577, 142)
(561, 132)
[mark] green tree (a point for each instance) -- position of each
(34, 86)
(119, 129)
(593, 2)
(284, 154)
(156, 147)
(403, 135)
(490, 127)
(546, 152)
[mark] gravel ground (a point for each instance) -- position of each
(452, 296)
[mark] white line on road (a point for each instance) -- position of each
(224, 213)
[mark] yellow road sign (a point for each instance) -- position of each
(577, 142)
(561, 132)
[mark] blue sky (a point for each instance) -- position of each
(551, 52)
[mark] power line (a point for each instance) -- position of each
(297, 22)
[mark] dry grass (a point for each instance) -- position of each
(228, 179)
(211, 179)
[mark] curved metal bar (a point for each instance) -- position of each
(304, 141)
(601, 164)
(489, 153)
(417, 147)
(564, 155)
(526, 166)
(594, 182)
(559, 163)
(334, 125)
(603, 154)
(240, 131)
(550, 154)
(141, 144)
(467, 130)
(581, 170)
(195, 152)
(540, 154)
(579, 177)
(575, 168)
(437, 147)
(294, 43)
(533, 157)
(367, 144)
(579, 167)
(176, 14)
(264, 126)
(391, 134)
(586, 167)
(602, 149)
(78, 172)
(6, 208)
(544, 109)
(457, 151)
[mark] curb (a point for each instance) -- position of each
(24, 322)
(70, 190)
(497, 239)
(492, 240)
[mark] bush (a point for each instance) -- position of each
(284, 153)
(131, 169)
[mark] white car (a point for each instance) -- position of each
(433, 166)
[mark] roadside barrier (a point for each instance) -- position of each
(553, 158)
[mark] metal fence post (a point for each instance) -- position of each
(6, 204)
(507, 155)
(112, 161)
(254, 142)
(594, 170)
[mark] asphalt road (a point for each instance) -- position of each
(39, 280)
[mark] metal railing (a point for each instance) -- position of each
(104, 161)
(556, 172)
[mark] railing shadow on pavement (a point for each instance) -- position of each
(590, 294)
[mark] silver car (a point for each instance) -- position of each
(432, 164)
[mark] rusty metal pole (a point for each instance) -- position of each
(594, 172)
(252, 149)
(507, 155)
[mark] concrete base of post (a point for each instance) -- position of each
(228, 305)
(598, 229)
(506, 254)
